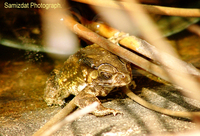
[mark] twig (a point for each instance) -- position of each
(60, 115)
(165, 52)
(183, 12)
(136, 44)
(53, 35)
(70, 118)
(152, 9)
(195, 29)
(189, 115)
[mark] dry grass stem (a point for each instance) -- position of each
(165, 52)
(161, 10)
(138, 45)
(194, 29)
(70, 118)
(60, 115)
(60, 40)
(184, 12)
(189, 115)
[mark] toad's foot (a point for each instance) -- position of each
(102, 111)
(83, 99)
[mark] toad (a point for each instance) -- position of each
(92, 71)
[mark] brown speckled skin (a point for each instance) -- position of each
(92, 71)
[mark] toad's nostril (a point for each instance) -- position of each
(122, 77)
(119, 76)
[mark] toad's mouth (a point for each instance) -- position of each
(117, 80)
(121, 80)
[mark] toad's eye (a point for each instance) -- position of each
(105, 75)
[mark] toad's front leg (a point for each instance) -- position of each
(84, 99)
